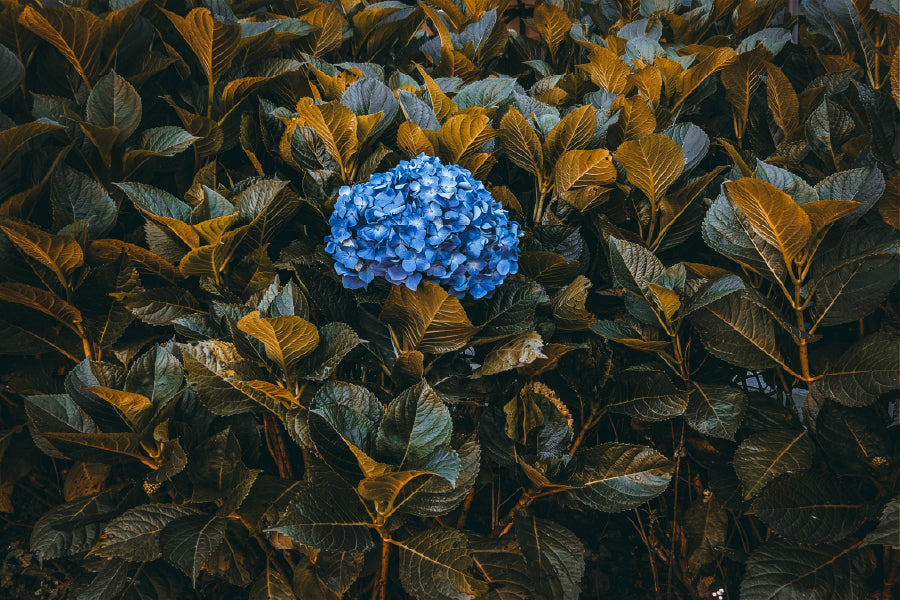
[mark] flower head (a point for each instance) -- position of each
(423, 220)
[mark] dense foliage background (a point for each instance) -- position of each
(688, 390)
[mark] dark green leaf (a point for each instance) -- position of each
(716, 410)
(188, 541)
(764, 456)
(75, 196)
(271, 586)
(888, 530)
(619, 477)
(779, 570)
(647, 393)
(415, 424)
(868, 369)
(811, 507)
(13, 71)
(555, 556)
(436, 565)
(114, 103)
(72, 528)
(135, 534)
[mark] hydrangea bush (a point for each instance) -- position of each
(423, 219)
(266, 335)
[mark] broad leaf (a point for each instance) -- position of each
(554, 555)
(188, 541)
(618, 477)
(764, 456)
(415, 425)
(287, 339)
(427, 319)
(646, 393)
(135, 534)
(651, 164)
(810, 507)
(436, 565)
(868, 369)
(271, 586)
(779, 570)
(716, 410)
(774, 215)
(888, 530)
(114, 103)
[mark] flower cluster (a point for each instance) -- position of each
(423, 219)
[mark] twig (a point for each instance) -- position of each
(653, 570)
(505, 523)
(592, 422)
(464, 512)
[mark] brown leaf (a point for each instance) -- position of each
(568, 308)
(60, 254)
(652, 164)
(76, 33)
(84, 479)
(553, 25)
(741, 79)
(648, 82)
(330, 33)
(520, 142)
(214, 43)
(636, 120)
(823, 213)
(691, 79)
(106, 251)
(442, 105)
(287, 338)
(773, 214)
(783, 100)
(412, 141)
(606, 69)
(43, 301)
(15, 137)
(574, 131)
(583, 168)
(464, 134)
(427, 319)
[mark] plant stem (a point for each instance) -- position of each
(506, 522)
(379, 592)
(592, 422)
(464, 512)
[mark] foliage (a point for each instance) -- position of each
(686, 383)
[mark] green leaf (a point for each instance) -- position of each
(554, 555)
(135, 534)
(852, 279)
(327, 514)
(156, 374)
(502, 566)
(271, 586)
(716, 410)
(764, 456)
(789, 183)
(339, 570)
(646, 393)
(618, 477)
(706, 526)
(868, 369)
(75, 196)
(490, 93)
(416, 424)
(811, 507)
(159, 306)
(779, 570)
(113, 102)
(71, 528)
(439, 496)
(738, 331)
(854, 439)
(13, 72)
(166, 141)
(369, 96)
(208, 370)
(864, 185)
(427, 319)
(188, 541)
(634, 266)
(436, 565)
(510, 310)
(727, 231)
(336, 340)
(888, 530)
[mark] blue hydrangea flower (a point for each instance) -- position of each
(423, 220)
